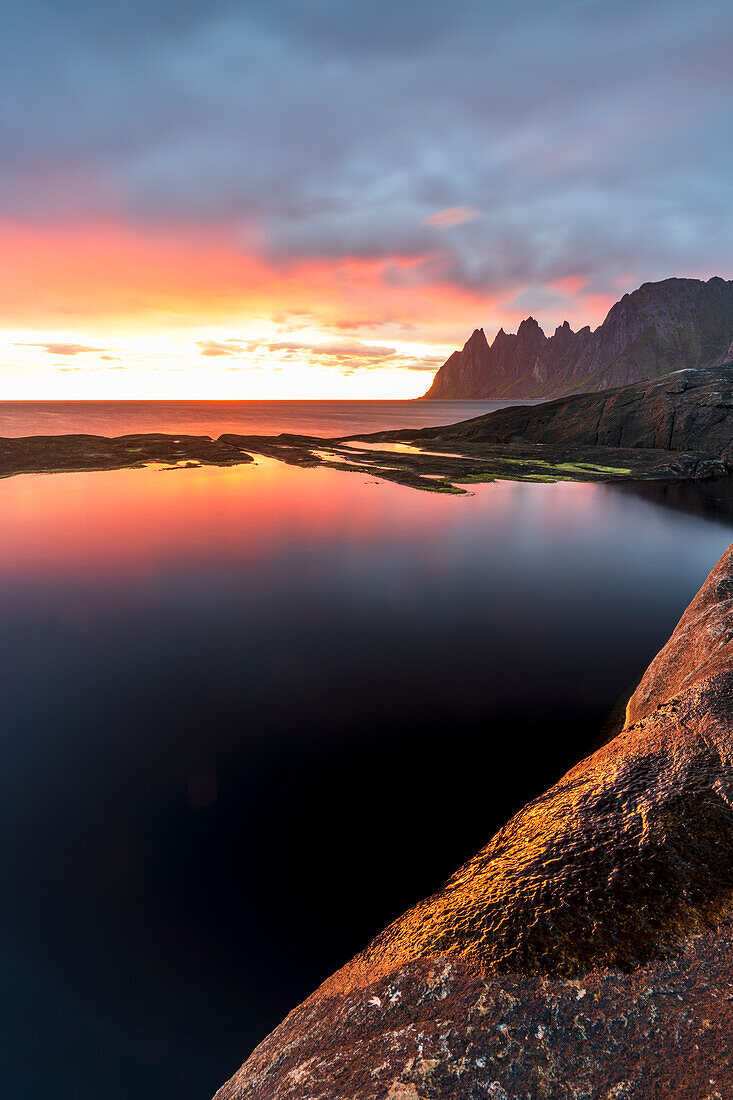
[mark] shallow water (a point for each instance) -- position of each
(250, 714)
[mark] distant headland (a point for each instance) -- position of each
(661, 327)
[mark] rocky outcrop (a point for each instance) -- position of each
(448, 471)
(685, 411)
(661, 327)
(675, 429)
(586, 951)
(60, 453)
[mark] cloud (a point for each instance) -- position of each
(343, 349)
(569, 284)
(327, 352)
(425, 362)
(215, 348)
(64, 349)
(588, 134)
(454, 215)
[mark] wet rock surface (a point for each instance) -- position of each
(585, 952)
(451, 473)
(677, 428)
(58, 453)
(691, 410)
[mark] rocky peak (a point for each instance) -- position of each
(477, 339)
(563, 336)
(503, 339)
(529, 324)
(530, 338)
(659, 328)
(475, 350)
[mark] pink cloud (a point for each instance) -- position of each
(570, 284)
(454, 215)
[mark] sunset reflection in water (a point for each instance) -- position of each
(250, 714)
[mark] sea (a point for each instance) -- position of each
(251, 714)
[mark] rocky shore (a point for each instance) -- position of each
(58, 453)
(678, 428)
(585, 952)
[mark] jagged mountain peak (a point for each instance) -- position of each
(478, 336)
(658, 328)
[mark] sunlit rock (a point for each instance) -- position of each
(584, 952)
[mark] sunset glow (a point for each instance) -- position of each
(270, 201)
(104, 310)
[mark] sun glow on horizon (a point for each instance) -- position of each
(109, 311)
(210, 364)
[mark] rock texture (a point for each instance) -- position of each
(661, 327)
(59, 453)
(586, 951)
(459, 465)
(677, 428)
(690, 410)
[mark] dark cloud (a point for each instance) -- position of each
(591, 137)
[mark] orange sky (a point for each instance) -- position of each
(280, 199)
(109, 311)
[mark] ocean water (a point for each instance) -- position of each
(213, 418)
(250, 714)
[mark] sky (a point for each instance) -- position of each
(322, 198)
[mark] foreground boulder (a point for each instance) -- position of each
(586, 951)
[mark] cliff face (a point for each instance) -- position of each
(661, 327)
(585, 951)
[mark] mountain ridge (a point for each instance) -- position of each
(658, 328)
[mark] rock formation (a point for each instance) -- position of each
(586, 951)
(66, 453)
(685, 411)
(678, 428)
(661, 327)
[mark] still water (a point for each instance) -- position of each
(250, 714)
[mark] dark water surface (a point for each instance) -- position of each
(250, 714)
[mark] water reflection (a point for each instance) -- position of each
(250, 714)
(712, 498)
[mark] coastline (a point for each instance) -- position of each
(674, 429)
